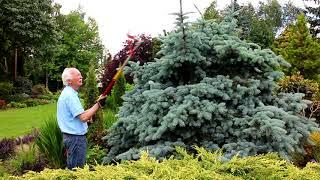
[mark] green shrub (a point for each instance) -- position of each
(23, 85)
(297, 84)
(129, 87)
(27, 160)
(43, 101)
(95, 155)
(19, 97)
(39, 89)
(3, 172)
(205, 165)
(16, 105)
(31, 102)
(6, 90)
(111, 103)
(50, 142)
(109, 118)
(114, 100)
(50, 97)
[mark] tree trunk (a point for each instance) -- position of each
(15, 64)
(47, 80)
(5, 66)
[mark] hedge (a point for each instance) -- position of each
(204, 165)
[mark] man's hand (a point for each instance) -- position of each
(101, 101)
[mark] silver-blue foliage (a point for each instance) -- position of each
(210, 89)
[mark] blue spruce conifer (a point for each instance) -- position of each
(210, 89)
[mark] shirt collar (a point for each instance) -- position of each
(68, 87)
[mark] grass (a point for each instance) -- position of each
(17, 122)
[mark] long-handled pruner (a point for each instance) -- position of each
(120, 70)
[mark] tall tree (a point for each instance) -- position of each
(313, 16)
(256, 25)
(211, 11)
(79, 43)
(97, 127)
(290, 13)
(209, 89)
(271, 12)
(302, 51)
(24, 24)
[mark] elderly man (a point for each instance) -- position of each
(72, 118)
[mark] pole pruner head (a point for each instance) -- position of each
(134, 43)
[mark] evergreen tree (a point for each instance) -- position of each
(313, 14)
(114, 101)
(97, 128)
(211, 12)
(209, 89)
(302, 51)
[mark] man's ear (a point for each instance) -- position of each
(69, 81)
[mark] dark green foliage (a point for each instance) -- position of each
(22, 85)
(209, 89)
(6, 90)
(19, 97)
(96, 129)
(50, 143)
(24, 25)
(7, 147)
(91, 92)
(115, 100)
(156, 43)
(119, 89)
(261, 34)
(313, 16)
(259, 25)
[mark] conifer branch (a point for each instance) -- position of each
(182, 23)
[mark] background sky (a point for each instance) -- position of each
(116, 18)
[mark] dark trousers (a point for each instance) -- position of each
(76, 150)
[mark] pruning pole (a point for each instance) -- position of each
(120, 70)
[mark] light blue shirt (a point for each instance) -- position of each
(68, 108)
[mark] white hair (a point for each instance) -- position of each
(66, 75)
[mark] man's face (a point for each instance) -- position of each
(76, 78)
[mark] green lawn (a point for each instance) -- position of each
(16, 122)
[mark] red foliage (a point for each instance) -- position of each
(2, 103)
(143, 54)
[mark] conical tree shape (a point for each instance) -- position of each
(208, 89)
(302, 51)
(97, 128)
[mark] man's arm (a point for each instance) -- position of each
(87, 114)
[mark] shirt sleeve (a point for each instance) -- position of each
(75, 105)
